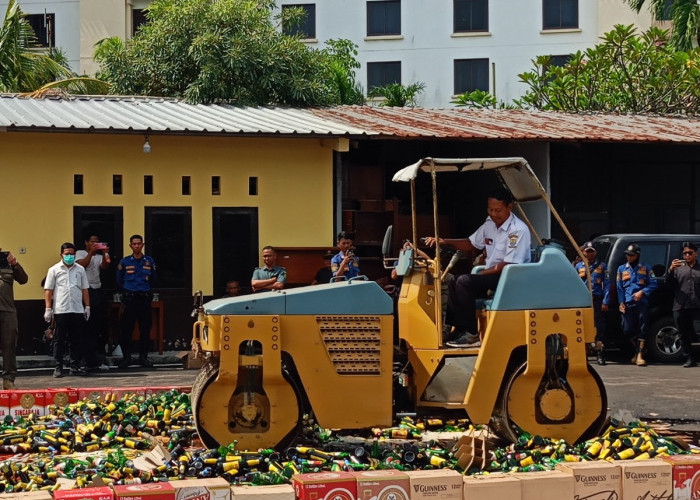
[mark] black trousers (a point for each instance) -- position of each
(136, 308)
(8, 343)
(463, 291)
(684, 322)
(70, 332)
(599, 319)
(95, 329)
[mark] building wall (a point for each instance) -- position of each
(98, 20)
(295, 186)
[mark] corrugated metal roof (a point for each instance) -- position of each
(170, 116)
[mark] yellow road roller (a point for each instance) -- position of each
(329, 351)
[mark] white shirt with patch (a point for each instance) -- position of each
(93, 268)
(67, 284)
(508, 243)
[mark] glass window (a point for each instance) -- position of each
(307, 27)
(654, 254)
(559, 14)
(471, 75)
(471, 15)
(384, 18)
(666, 12)
(560, 61)
(138, 19)
(380, 74)
(43, 26)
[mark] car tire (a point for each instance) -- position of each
(665, 341)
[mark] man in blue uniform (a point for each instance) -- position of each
(635, 282)
(600, 288)
(136, 274)
(345, 264)
(270, 276)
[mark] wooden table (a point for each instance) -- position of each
(115, 317)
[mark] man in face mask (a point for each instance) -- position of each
(68, 303)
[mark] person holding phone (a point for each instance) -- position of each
(10, 271)
(345, 263)
(684, 276)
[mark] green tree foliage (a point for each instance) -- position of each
(685, 15)
(228, 50)
(26, 69)
(397, 95)
(626, 73)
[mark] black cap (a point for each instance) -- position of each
(587, 245)
(633, 249)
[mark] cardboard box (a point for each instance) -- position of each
(325, 486)
(545, 485)
(272, 492)
(646, 479)
(60, 397)
(492, 487)
(686, 476)
(215, 488)
(148, 491)
(443, 484)
(28, 495)
(25, 402)
(387, 484)
(598, 479)
(4, 403)
(101, 493)
(189, 362)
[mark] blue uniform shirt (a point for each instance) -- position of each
(631, 279)
(353, 266)
(136, 275)
(600, 284)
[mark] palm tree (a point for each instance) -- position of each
(397, 95)
(23, 69)
(685, 15)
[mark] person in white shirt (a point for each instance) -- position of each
(95, 258)
(67, 301)
(506, 240)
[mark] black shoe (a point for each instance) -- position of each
(465, 340)
(77, 372)
(690, 363)
(601, 358)
(124, 363)
(57, 372)
(145, 362)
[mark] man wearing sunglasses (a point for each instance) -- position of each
(600, 288)
(684, 275)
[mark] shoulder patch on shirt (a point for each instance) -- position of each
(513, 240)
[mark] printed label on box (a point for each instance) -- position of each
(23, 403)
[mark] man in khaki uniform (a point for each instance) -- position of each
(10, 271)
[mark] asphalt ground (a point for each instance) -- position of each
(666, 393)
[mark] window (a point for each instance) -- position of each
(147, 184)
(666, 12)
(383, 73)
(215, 185)
(471, 75)
(560, 61)
(78, 184)
(384, 18)
(138, 19)
(43, 26)
(235, 239)
(116, 184)
(186, 185)
(559, 14)
(108, 224)
(306, 27)
(471, 15)
(252, 186)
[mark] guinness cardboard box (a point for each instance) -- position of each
(60, 397)
(599, 479)
(215, 488)
(101, 493)
(148, 491)
(686, 476)
(443, 484)
(27, 495)
(272, 492)
(387, 484)
(25, 402)
(546, 485)
(646, 479)
(492, 487)
(325, 486)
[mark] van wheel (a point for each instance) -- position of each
(665, 341)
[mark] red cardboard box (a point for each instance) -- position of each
(325, 486)
(100, 493)
(686, 476)
(387, 484)
(4, 403)
(148, 491)
(25, 402)
(60, 397)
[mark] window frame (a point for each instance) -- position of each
(560, 26)
(371, 4)
(472, 60)
(310, 16)
(455, 28)
(47, 29)
(385, 81)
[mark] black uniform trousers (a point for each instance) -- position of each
(137, 307)
(70, 328)
(463, 291)
(684, 322)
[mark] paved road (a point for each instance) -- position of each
(662, 392)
